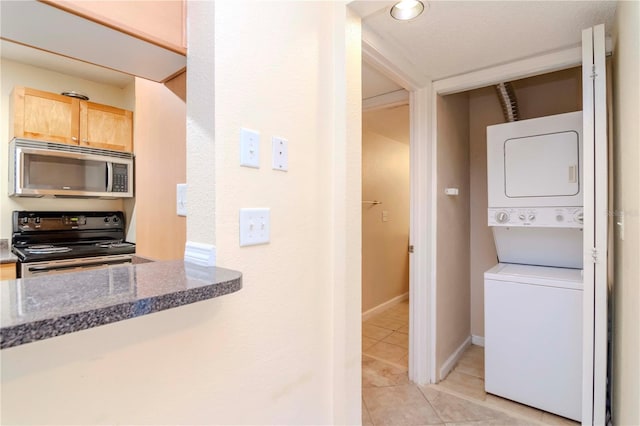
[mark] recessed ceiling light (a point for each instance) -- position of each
(406, 10)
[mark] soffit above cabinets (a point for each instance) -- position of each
(53, 30)
(455, 37)
(63, 65)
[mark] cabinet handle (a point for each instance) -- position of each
(73, 138)
(85, 140)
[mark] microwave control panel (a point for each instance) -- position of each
(120, 178)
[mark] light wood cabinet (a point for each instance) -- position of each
(7, 271)
(51, 117)
(45, 116)
(106, 127)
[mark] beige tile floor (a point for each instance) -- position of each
(388, 398)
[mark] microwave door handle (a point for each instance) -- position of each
(109, 176)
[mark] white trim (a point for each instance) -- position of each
(384, 57)
(536, 65)
(384, 306)
(601, 222)
(477, 340)
(387, 100)
(421, 360)
(589, 227)
(453, 359)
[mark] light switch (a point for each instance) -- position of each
(385, 215)
(181, 199)
(280, 154)
(255, 226)
(249, 148)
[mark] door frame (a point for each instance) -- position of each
(423, 94)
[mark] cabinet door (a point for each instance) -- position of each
(45, 116)
(106, 127)
(7, 271)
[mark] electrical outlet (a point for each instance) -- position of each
(255, 226)
(249, 148)
(280, 154)
(181, 199)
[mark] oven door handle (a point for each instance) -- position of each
(42, 269)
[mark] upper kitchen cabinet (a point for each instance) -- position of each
(51, 117)
(45, 116)
(145, 39)
(106, 127)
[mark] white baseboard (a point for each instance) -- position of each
(477, 340)
(384, 306)
(453, 359)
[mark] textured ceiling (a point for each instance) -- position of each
(455, 37)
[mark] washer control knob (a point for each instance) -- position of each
(579, 216)
(502, 217)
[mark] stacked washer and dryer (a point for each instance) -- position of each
(533, 297)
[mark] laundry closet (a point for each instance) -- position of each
(466, 247)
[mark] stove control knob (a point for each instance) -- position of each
(106, 220)
(37, 220)
(115, 219)
(25, 220)
(522, 217)
(502, 217)
(531, 217)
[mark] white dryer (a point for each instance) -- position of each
(536, 163)
(533, 336)
(535, 190)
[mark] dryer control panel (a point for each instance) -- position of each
(537, 217)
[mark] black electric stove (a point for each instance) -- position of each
(41, 237)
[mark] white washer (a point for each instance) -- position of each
(533, 336)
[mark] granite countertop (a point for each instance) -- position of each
(5, 253)
(39, 308)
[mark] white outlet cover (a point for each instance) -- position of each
(280, 154)
(181, 199)
(249, 148)
(255, 226)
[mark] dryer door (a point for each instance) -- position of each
(542, 165)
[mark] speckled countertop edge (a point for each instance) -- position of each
(57, 325)
(5, 252)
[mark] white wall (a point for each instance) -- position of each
(385, 177)
(626, 286)
(17, 74)
(293, 331)
(452, 260)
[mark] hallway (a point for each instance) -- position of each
(389, 398)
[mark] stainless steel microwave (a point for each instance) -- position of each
(38, 169)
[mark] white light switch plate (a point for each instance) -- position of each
(249, 148)
(280, 154)
(181, 199)
(255, 226)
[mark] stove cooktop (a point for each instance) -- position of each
(52, 235)
(40, 252)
